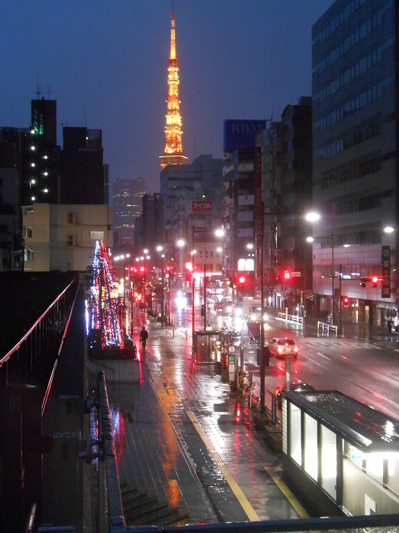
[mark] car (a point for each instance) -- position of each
(283, 346)
(296, 386)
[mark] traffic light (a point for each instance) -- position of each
(241, 282)
(286, 275)
(345, 301)
(374, 280)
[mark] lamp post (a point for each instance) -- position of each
(160, 250)
(180, 243)
(193, 252)
(315, 217)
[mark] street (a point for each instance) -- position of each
(366, 371)
(207, 446)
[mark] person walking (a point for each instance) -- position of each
(143, 337)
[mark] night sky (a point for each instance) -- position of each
(105, 62)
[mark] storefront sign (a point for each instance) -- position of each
(386, 271)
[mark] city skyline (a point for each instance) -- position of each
(106, 66)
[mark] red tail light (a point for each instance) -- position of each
(279, 349)
(296, 349)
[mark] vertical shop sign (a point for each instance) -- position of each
(386, 271)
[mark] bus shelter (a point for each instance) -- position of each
(340, 455)
(207, 346)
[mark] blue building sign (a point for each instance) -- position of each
(241, 133)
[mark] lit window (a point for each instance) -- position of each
(97, 235)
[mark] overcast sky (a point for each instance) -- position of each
(105, 62)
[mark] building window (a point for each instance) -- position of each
(295, 434)
(329, 461)
(96, 235)
(71, 217)
(71, 240)
(311, 452)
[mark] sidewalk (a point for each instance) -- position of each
(192, 442)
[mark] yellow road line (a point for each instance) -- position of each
(274, 473)
(253, 517)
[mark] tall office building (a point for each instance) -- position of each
(180, 185)
(173, 152)
(127, 198)
(40, 162)
(83, 177)
(355, 158)
(239, 192)
(10, 184)
(148, 230)
(284, 150)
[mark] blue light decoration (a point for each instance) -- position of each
(105, 312)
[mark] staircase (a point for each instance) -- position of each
(141, 508)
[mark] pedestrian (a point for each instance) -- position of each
(143, 336)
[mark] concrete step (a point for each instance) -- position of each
(144, 509)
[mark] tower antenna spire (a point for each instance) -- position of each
(173, 152)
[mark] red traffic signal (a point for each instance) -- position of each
(241, 282)
(345, 301)
(374, 280)
(287, 275)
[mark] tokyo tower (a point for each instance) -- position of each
(173, 153)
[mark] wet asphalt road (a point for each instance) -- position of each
(188, 437)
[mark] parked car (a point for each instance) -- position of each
(297, 386)
(283, 347)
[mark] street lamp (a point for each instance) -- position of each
(180, 243)
(160, 250)
(193, 252)
(313, 217)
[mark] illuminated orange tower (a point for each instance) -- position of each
(173, 153)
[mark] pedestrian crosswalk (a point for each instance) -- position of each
(321, 343)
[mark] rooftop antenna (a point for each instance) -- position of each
(49, 91)
(38, 91)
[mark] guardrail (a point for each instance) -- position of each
(111, 517)
(327, 328)
(295, 319)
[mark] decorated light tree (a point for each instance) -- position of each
(105, 313)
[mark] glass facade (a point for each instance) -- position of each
(354, 51)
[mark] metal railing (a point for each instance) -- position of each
(26, 376)
(32, 358)
(326, 329)
(295, 319)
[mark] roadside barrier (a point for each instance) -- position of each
(296, 319)
(327, 329)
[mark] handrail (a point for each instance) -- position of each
(51, 379)
(23, 339)
(116, 517)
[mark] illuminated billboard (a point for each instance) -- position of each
(241, 133)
